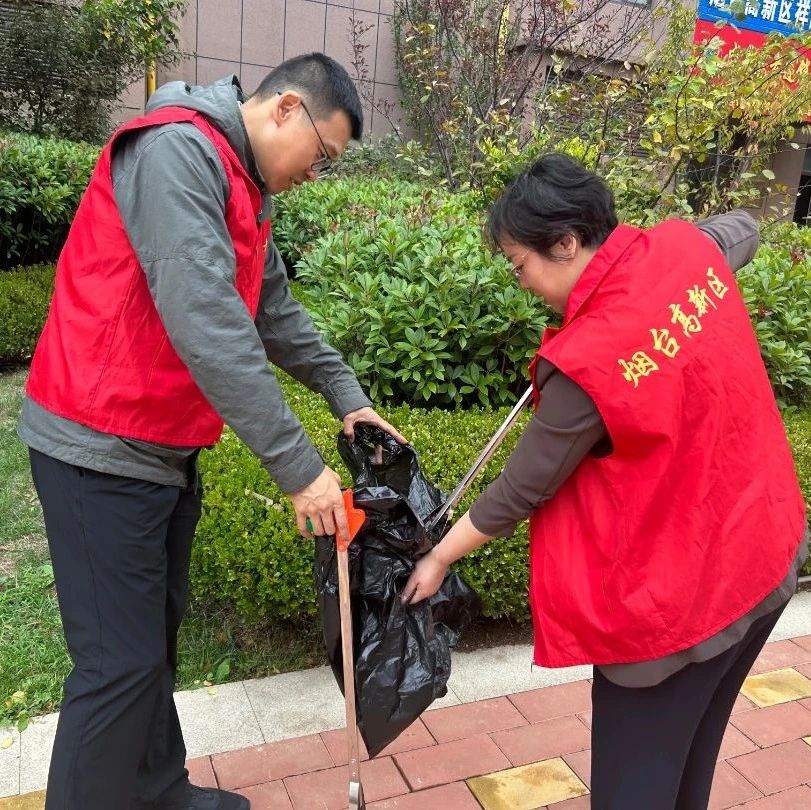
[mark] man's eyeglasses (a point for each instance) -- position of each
(324, 163)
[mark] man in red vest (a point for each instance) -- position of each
(667, 525)
(169, 301)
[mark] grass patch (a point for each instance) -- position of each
(214, 646)
(22, 534)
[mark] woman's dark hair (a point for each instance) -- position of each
(554, 197)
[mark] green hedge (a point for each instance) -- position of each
(398, 279)
(24, 297)
(41, 183)
(249, 553)
(776, 286)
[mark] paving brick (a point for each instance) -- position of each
(735, 743)
(415, 736)
(777, 768)
(742, 704)
(449, 797)
(451, 762)
(775, 724)
(586, 717)
(269, 762)
(527, 787)
(270, 796)
(779, 655)
(804, 669)
(798, 798)
(805, 643)
(779, 686)
(729, 788)
(329, 790)
(580, 803)
(469, 719)
(580, 763)
(201, 772)
(28, 801)
(544, 740)
(553, 701)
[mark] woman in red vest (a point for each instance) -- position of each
(667, 526)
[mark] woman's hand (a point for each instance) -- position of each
(429, 572)
(425, 579)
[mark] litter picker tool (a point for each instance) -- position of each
(355, 519)
(486, 454)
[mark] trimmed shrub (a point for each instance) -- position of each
(24, 297)
(41, 183)
(248, 551)
(798, 427)
(777, 289)
(313, 210)
(398, 279)
(403, 285)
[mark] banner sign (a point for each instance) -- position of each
(766, 16)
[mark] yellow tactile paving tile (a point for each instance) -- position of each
(807, 739)
(28, 801)
(778, 686)
(527, 787)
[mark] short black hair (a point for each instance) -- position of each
(555, 196)
(325, 85)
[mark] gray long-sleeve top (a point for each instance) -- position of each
(565, 429)
(171, 190)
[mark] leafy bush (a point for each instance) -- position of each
(798, 427)
(777, 289)
(248, 551)
(308, 212)
(41, 183)
(389, 158)
(398, 279)
(24, 297)
(65, 64)
(403, 285)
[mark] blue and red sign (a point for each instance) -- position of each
(784, 17)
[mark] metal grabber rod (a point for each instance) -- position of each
(355, 517)
(486, 454)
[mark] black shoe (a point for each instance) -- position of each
(200, 798)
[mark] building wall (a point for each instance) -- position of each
(787, 165)
(249, 37)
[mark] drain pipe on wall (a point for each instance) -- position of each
(151, 79)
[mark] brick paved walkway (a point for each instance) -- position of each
(525, 751)
(531, 750)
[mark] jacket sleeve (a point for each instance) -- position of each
(293, 343)
(737, 234)
(563, 431)
(171, 191)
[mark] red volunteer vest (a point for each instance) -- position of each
(104, 358)
(697, 513)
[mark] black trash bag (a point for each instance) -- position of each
(402, 652)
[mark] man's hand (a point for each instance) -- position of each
(323, 504)
(425, 580)
(370, 417)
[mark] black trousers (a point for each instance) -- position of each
(120, 550)
(656, 748)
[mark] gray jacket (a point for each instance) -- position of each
(171, 190)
